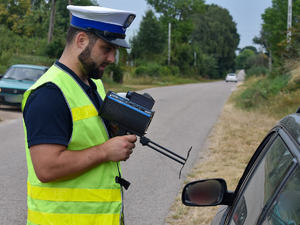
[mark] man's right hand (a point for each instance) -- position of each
(119, 148)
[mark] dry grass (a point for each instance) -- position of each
(233, 140)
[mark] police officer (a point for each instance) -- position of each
(74, 176)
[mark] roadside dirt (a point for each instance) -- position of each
(9, 113)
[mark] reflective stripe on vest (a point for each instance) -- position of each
(37, 218)
(90, 199)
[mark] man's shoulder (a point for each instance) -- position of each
(46, 96)
(47, 116)
(45, 91)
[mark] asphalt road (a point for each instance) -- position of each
(184, 117)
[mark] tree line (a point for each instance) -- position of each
(277, 47)
(203, 40)
(25, 26)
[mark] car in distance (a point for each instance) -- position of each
(231, 77)
(17, 79)
(268, 192)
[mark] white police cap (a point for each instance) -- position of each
(109, 24)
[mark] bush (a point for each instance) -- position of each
(257, 60)
(31, 46)
(55, 48)
(31, 59)
(117, 72)
(256, 71)
(183, 57)
(261, 90)
(9, 40)
(4, 58)
(155, 70)
(20, 45)
(174, 70)
(208, 66)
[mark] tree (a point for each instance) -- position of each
(151, 38)
(252, 48)
(58, 28)
(62, 16)
(216, 35)
(12, 13)
(264, 42)
(36, 21)
(241, 59)
(179, 13)
(176, 9)
(273, 35)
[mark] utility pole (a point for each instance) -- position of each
(51, 22)
(289, 20)
(270, 60)
(169, 45)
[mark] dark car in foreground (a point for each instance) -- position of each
(17, 79)
(268, 192)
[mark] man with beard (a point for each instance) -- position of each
(74, 176)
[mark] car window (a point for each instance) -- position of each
(262, 183)
(22, 73)
(286, 208)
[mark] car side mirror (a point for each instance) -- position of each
(209, 192)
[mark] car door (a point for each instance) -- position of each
(267, 176)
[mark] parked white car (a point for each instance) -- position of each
(231, 77)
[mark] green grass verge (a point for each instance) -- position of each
(277, 96)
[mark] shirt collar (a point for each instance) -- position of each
(73, 74)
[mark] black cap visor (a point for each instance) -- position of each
(121, 42)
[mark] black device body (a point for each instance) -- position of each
(132, 114)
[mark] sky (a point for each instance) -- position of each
(246, 14)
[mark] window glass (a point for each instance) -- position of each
(262, 184)
(20, 73)
(277, 161)
(286, 208)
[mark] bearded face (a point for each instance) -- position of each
(90, 67)
(95, 57)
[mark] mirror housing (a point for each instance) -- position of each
(210, 192)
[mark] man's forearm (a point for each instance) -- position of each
(54, 162)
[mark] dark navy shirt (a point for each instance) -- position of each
(47, 116)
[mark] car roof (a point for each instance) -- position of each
(292, 124)
(30, 66)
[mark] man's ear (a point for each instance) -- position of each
(81, 40)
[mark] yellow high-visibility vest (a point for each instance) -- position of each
(93, 198)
